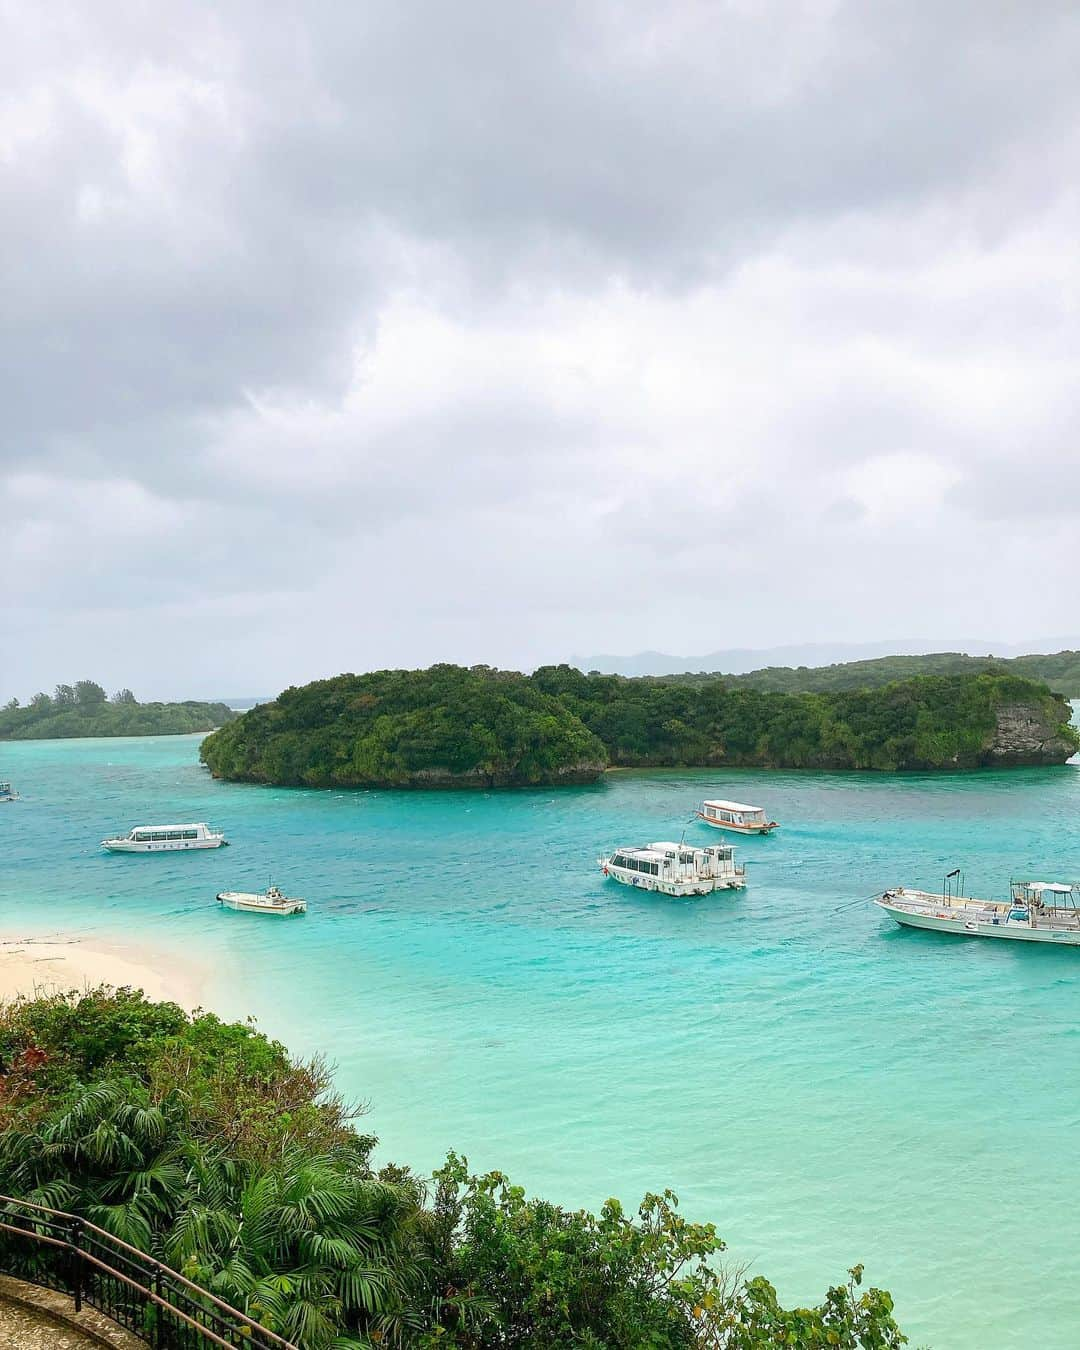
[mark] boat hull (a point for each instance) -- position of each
(257, 904)
(962, 924)
(738, 829)
(175, 846)
(674, 888)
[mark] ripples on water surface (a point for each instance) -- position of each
(826, 1087)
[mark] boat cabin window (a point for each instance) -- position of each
(636, 865)
(191, 834)
(142, 836)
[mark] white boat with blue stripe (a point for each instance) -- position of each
(166, 838)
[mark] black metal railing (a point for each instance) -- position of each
(64, 1252)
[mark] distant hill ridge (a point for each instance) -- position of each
(1060, 670)
(820, 656)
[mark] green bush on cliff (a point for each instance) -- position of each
(448, 725)
(205, 1145)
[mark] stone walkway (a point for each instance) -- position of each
(38, 1319)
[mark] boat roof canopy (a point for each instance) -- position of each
(1058, 888)
(732, 806)
(661, 849)
(191, 825)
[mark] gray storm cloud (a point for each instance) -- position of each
(337, 337)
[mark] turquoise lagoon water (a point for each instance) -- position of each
(825, 1086)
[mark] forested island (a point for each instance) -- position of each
(84, 709)
(207, 1146)
(452, 726)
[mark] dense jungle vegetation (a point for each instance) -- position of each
(481, 727)
(204, 1144)
(1059, 670)
(930, 722)
(84, 709)
(399, 728)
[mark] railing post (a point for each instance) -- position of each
(77, 1263)
(159, 1320)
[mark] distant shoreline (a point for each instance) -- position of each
(108, 736)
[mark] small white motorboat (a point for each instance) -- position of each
(736, 816)
(7, 792)
(270, 901)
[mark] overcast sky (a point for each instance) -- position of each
(342, 336)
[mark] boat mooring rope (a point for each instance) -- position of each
(851, 904)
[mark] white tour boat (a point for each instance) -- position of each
(1037, 911)
(270, 901)
(7, 792)
(157, 838)
(736, 816)
(675, 869)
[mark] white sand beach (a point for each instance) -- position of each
(30, 965)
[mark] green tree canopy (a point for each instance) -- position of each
(82, 709)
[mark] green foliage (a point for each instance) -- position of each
(235, 1083)
(923, 723)
(446, 726)
(525, 1273)
(205, 1145)
(79, 1038)
(1059, 670)
(82, 709)
(522, 1272)
(88, 694)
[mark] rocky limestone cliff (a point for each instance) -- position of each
(585, 771)
(1027, 733)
